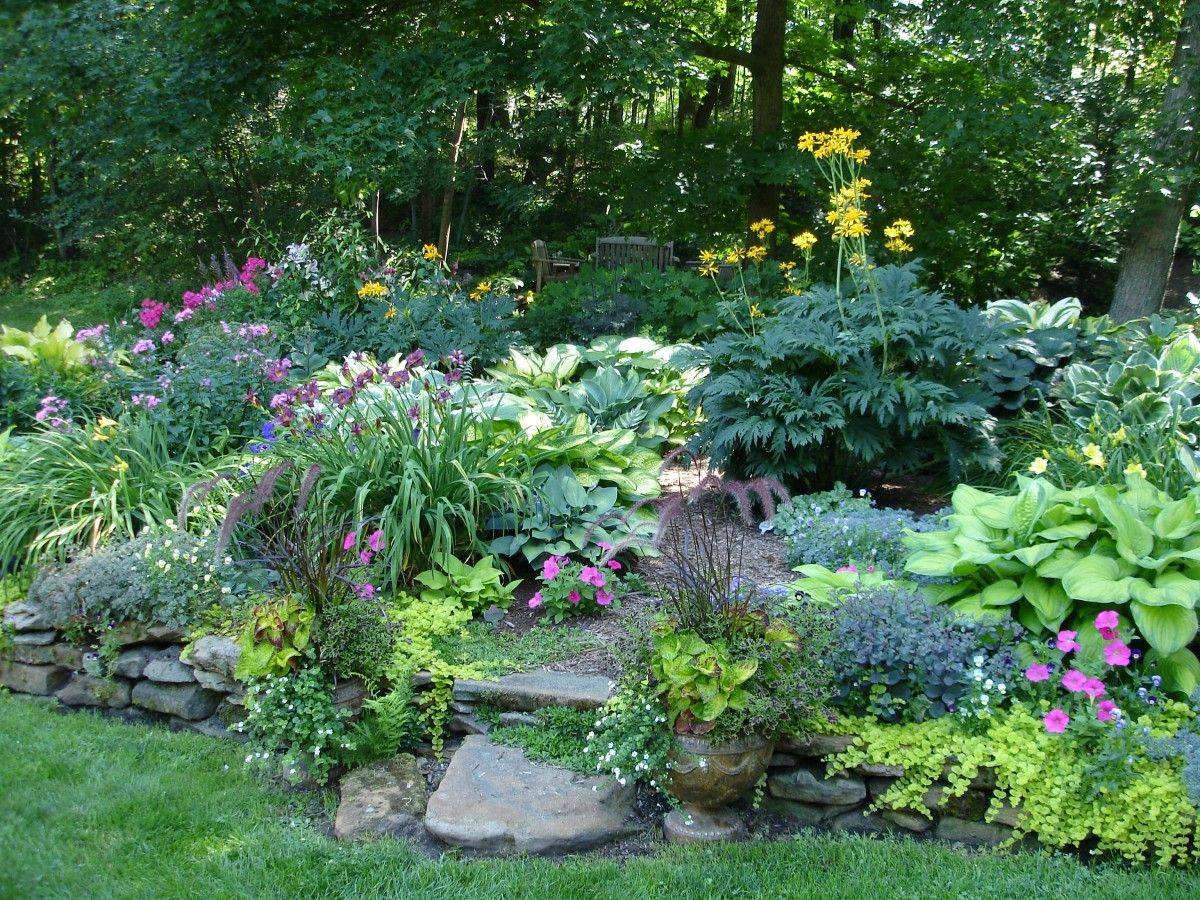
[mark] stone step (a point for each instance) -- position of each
(494, 800)
(529, 691)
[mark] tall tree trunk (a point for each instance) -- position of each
(485, 104)
(766, 69)
(1154, 233)
(456, 138)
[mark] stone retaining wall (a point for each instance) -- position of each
(151, 680)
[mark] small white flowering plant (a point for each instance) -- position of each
(294, 725)
(630, 740)
(186, 566)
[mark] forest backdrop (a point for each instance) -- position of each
(1036, 144)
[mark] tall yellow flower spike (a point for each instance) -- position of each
(430, 252)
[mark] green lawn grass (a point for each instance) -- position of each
(95, 808)
(23, 302)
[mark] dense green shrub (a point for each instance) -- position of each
(832, 389)
(671, 305)
(1032, 343)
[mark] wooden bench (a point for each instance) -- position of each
(614, 252)
(551, 268)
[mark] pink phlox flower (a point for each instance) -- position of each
(574, 596)
(365, 557)
(365, 591)
(145, 345)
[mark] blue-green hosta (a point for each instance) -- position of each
(1055, 558)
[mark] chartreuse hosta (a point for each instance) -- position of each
(1054, 558)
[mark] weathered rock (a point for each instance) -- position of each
(806, 815)
(512, 719)
(1008, 815)
(34, 638)
(971, 805)
(68, 655)
(88, 690)
(215, 682)
(465, 723)
(877, 787)
(908, 820)
(971, 834)
(215, 653)
(495, 800)
(128, 633)
(459, 706)
(132, 663)
(350, 694)
(529, 691)
(385, 798)
(812, 787)
(31, 655)
(221, 724)
(862, 822)
(783, 760)
(26, 616)
(165, 634)
(165, 666)
(879, 770)
(187, 701)
(816, 744)
(25, 679)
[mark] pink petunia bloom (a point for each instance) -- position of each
(365, 557)
(550, 569)
(1094, 688)
(1107, 619)
(1116, 653)
(614, 565)
(593, 576)
(1038, 672)
(349, 540)
(1109, 634)
(536, 600)
(365, 591)
(1066, 642)
(574, 596)
(1105, 710)
(1074, 681)
(375, 541)
(603, 598)
(847, 570)
(1056, 721)
(604, 545)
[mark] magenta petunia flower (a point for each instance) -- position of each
(550, 569)
(375, 541)
(349, 540)
(593, 576)
(1094, 688)
(1056, 721)
(1116, 653)
(365, 557)
(365, 591)
(604, 598)
(1066, 642)
(574, 596)
(1107, 619)
(1074, 681)
(1038, 672)
(847, 570)
(614, 565)
(536, 600)
(1105, 710)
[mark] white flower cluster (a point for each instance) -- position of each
(985, 695)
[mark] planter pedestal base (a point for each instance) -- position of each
(692, 825)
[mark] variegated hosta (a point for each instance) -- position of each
(1054, 558)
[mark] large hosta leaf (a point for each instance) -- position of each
(1167, 629)
(1134, 538)
(1169, 589)
(1000, 593)
(1180, 670)
(1096, 579)
(1048, 599)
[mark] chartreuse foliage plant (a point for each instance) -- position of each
(54, 348)
(1048, 777)
(1054, 558)
(472, 587)
(275, 637)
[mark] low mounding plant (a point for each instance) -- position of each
(578, 587)
(837, 528)
(1032, 342)
(830, 389)
(74, 488)
(897, 657)
(1053, 558)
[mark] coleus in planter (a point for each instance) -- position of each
(1053, 558)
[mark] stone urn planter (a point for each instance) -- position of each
(705, 778)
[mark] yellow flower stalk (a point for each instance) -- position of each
(372, 290)
(430, 252)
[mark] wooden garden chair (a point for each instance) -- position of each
(551, 268)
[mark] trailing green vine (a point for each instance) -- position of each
(1052, 781)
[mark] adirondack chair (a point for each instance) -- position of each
(551, 268)
(612, 252)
